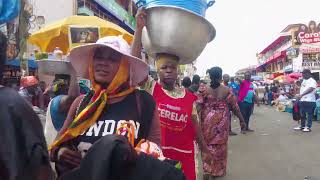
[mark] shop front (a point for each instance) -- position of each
(307, 38)
(12, 71)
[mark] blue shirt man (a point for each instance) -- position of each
(235, 87)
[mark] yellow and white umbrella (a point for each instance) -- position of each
(57, 33)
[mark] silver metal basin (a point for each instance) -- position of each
(176, 31)
(52, 67)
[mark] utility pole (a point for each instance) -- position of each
(23, 27)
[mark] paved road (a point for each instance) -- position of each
(274, 151)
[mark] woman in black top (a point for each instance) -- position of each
(113, 103)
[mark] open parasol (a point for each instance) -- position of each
(57, 33)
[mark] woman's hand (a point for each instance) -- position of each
(141, 18)
(69, 156)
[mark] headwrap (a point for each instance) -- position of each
(119, 87)
(28, 81)
(165, 58)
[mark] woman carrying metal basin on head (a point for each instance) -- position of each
(176, 106)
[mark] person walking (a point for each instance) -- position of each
(195, 83)
(246, 99)
(226, 83)
(307, 98)
(226, 80)
(186, 82)
(235, 87)
(217, 103)
(180, 128)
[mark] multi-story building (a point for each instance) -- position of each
(120, 12)
(44, 12)
(296, 49)
(252, 69)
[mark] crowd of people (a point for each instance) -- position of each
(185, 122)
(189, 125)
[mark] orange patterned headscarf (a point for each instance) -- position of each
(28, 81)
(88, 116)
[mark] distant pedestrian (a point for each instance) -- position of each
(235, 87)
(307, 99)
(186, 82)
(226, 83)
(226, 79)
(246, 99)
(31, 91)
(195, 84)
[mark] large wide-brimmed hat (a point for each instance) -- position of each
(81, 55)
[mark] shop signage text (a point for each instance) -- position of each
(311, 64)
(311, 61)
(118, 11)
(309, 37)
(308, 34)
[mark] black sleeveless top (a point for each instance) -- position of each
(115, 114)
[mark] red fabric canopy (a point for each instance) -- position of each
(295, 75)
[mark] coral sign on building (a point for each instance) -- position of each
(309, 34)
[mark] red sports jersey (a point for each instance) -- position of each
(177, 130)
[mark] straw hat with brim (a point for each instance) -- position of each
(80, 56)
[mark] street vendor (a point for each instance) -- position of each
(176, 107)
(114, 101)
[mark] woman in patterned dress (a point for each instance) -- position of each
(215, 122)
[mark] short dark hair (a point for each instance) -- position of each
(196, 79)
(186, 82)
(3, 53)
(306, 71)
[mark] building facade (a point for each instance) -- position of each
(296, 49)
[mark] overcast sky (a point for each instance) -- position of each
(245, 27)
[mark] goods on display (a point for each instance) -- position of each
(52, 67)
(52, 63)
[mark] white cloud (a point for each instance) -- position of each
(246, 27)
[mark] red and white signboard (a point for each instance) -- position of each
(308, 38)
(310, 48)
(308, 34)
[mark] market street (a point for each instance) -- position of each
(274, 151)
